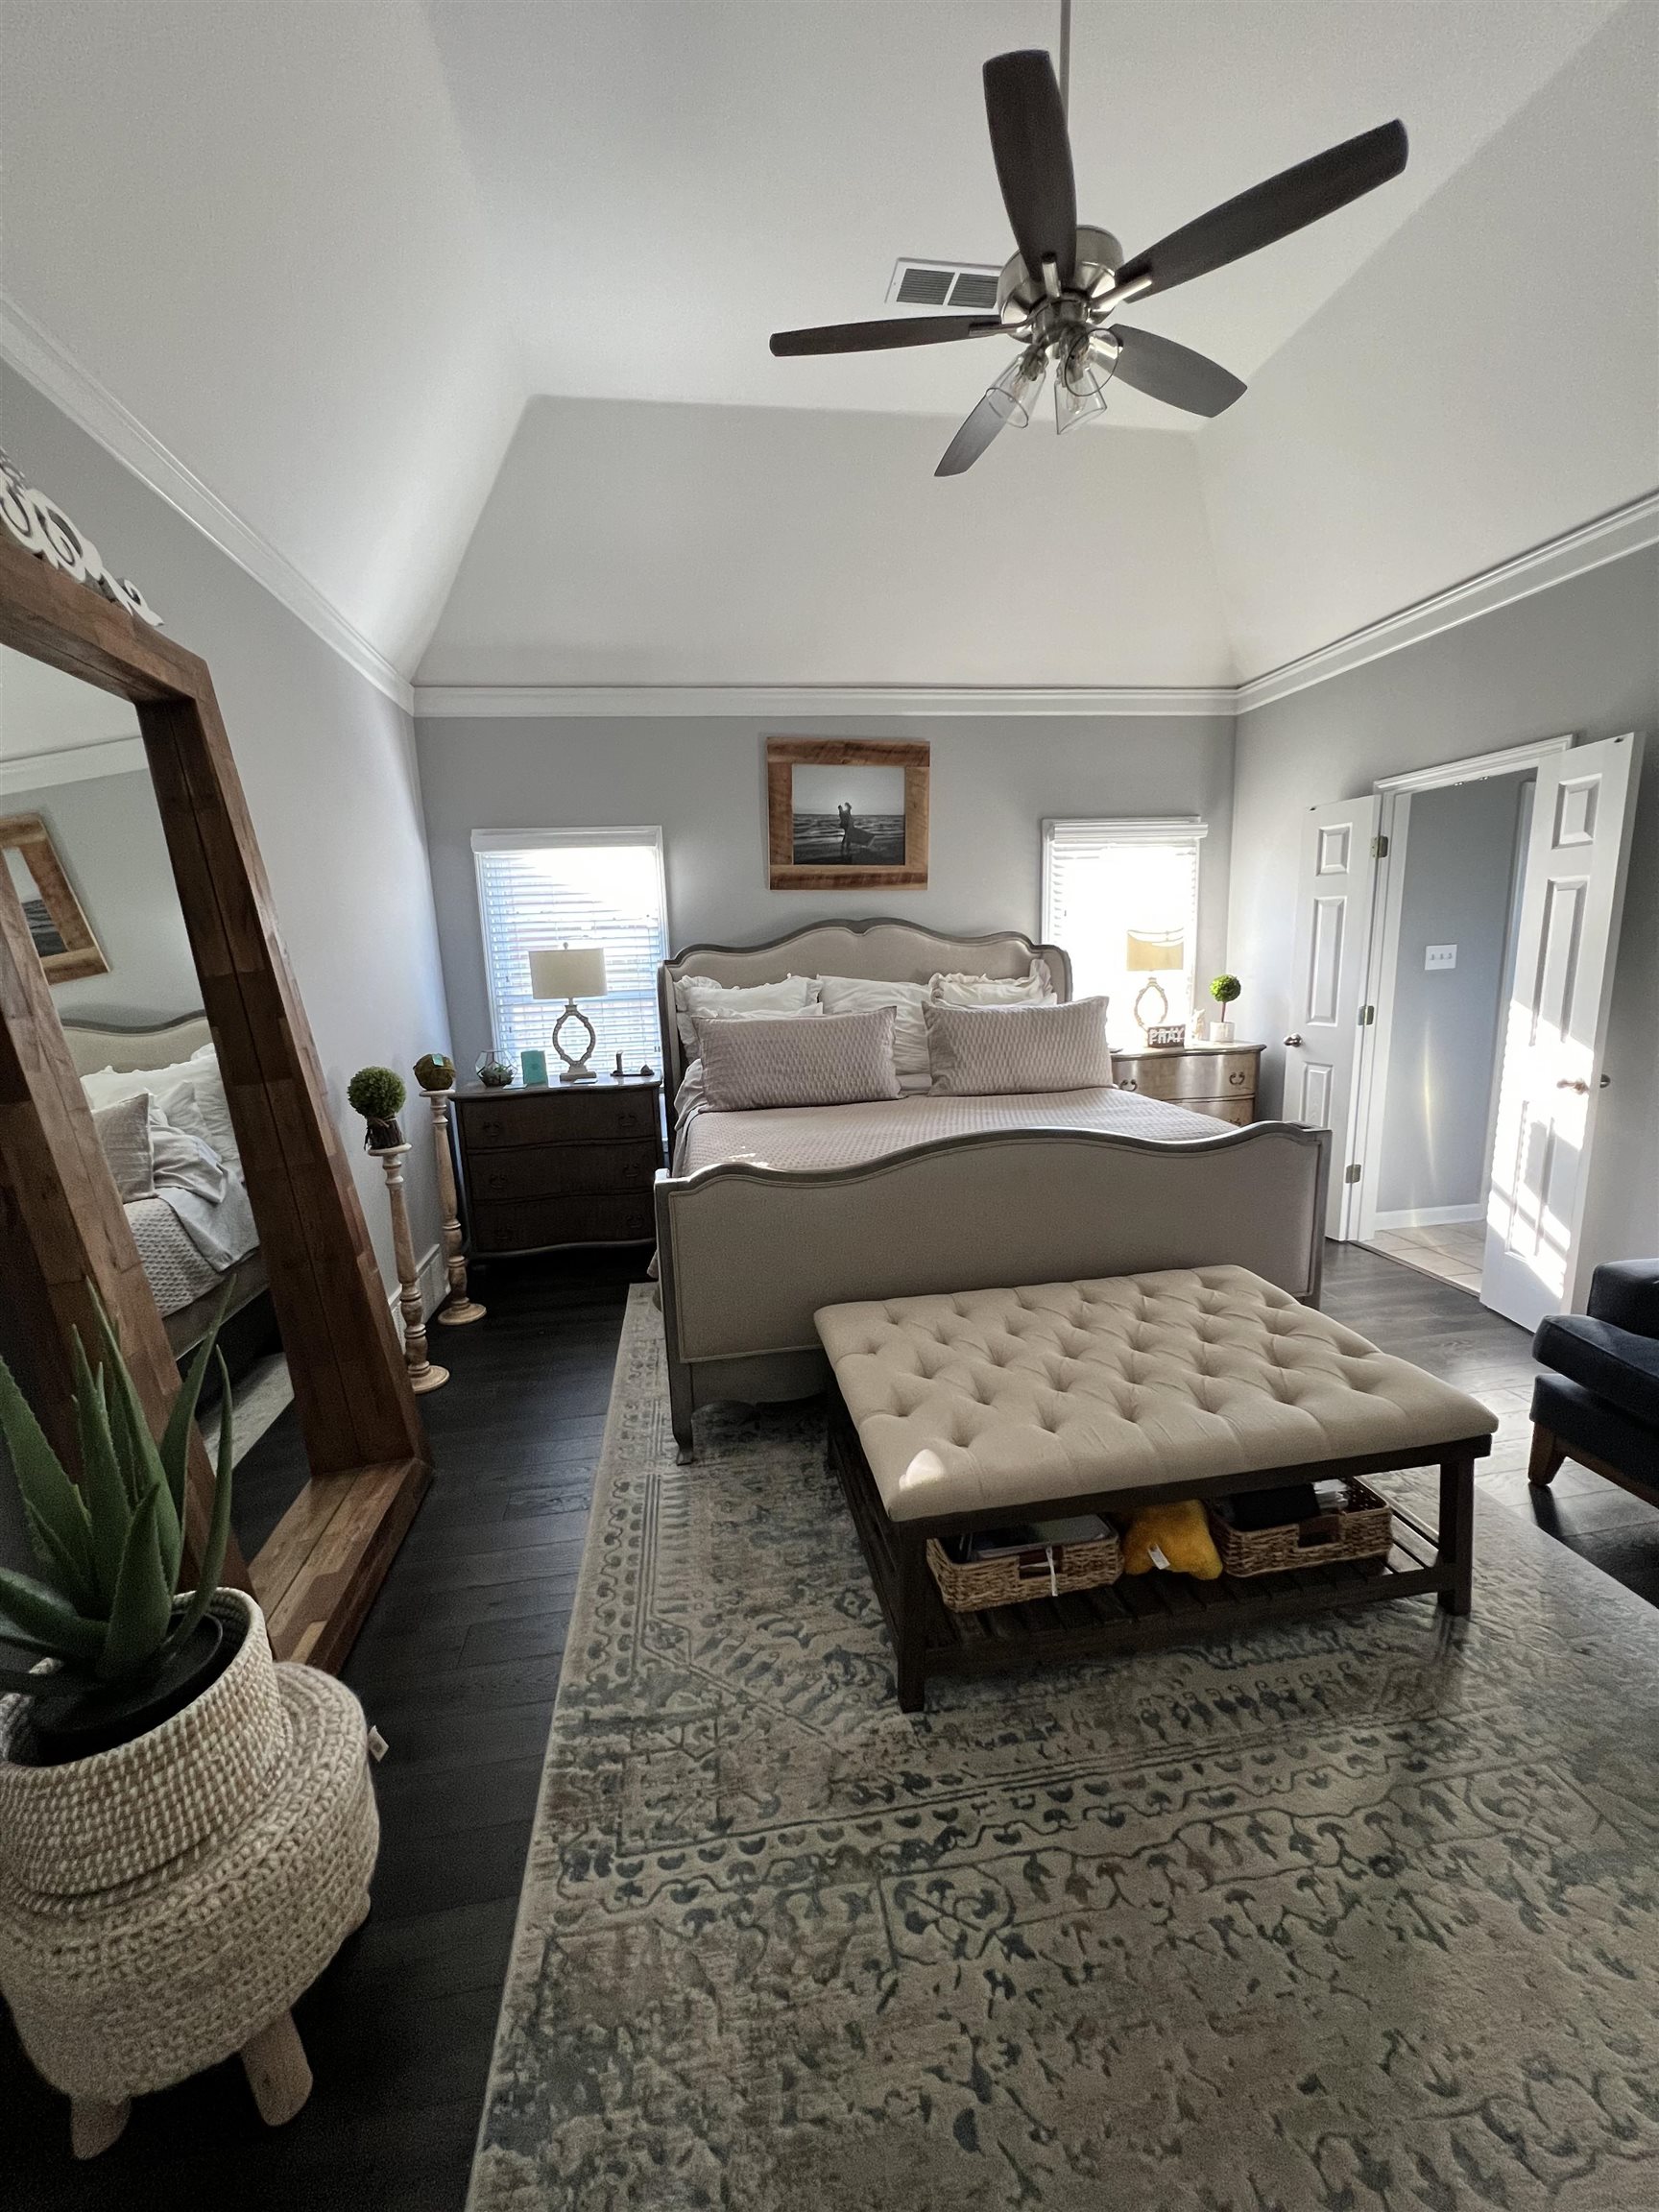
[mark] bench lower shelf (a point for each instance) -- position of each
(1142, 1612)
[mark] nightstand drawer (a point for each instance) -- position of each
(569, 1116)
(527, 1225)
(1240, 1111)
(562, 1171)
(1185, 1077)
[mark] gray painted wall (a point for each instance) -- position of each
(994, 780)
(107, 833)
(1584, 656)
(1443, 1046)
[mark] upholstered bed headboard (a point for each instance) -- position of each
(886, 952)
(125, 1046)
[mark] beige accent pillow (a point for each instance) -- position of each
(861, 994)
(840, 1060)
(124, 1132)
(977, 1051)
(1032, 989)
(695, 994)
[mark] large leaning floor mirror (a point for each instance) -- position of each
(163, 1138)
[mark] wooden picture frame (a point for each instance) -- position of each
(63, 1226)
(73, 951)
(792, 845)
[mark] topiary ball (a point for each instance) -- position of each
(1225, 989)
(435, 1071)
(377, 1093)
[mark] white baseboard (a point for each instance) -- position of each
(1428, 1216)
(433, 1281)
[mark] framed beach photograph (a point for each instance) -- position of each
(58, 929)
(846, 813)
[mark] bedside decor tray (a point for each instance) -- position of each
(1361, 1527)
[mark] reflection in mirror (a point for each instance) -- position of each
(81, 839)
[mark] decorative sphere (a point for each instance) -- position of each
(435, 1071)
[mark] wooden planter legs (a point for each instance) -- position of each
(278, 2074)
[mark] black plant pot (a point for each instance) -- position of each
(101, 1719)
(383, 1136)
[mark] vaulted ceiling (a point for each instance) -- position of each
(324, 255)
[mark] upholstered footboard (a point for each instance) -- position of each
(748, 1254)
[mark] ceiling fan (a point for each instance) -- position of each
(1059, 296)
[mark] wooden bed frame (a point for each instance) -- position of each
(747, 1255)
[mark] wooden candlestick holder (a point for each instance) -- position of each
(422, 1373)
(460, 1306)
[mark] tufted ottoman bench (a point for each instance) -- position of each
(963, 1411)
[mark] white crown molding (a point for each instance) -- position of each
(1610, 537)
(51, 370)
(781, 702)
(74, 764)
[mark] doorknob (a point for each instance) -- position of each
(1292, 1040)
(1573, 1083)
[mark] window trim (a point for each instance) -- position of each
(542, 840)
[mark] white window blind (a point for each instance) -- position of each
(1102, 881)
(550, 887)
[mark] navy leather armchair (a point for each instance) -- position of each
(1599, 1402)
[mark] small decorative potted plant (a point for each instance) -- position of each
(378, 1094)
(435, 1071)
(492, 1070)
(1224, 990)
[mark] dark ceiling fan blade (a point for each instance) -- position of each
(972, 440)
(1174, 374)
(1033, 156)
(877, 336)
(1286, 203)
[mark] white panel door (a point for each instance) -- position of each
(1555, 1027)
(1334, 896)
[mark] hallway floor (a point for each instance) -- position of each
(1452, 1252)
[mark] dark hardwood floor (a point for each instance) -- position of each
(458, 1666)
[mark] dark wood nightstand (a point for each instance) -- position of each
(558, 1165)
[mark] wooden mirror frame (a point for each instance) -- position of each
(61, 1223)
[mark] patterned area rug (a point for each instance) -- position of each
(1359, 1915)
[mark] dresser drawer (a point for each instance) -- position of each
(526, 1224)
(561, 1170)
(1185, 1077)
(569, 1116)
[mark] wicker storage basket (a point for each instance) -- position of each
(1044, 1571)
(1361, 1527)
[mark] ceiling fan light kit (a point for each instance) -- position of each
(1059, 294)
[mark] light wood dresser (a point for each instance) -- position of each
(558, 1165)
(1220, 1080)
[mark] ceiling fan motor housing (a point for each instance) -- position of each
(1018, 294)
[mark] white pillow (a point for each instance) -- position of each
(862, 995)
(1032, 989)
(695, 994)
(840, 1061)
(199, 1074)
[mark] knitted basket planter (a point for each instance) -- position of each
(164, 1903)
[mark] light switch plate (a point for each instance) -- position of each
(1439, 955)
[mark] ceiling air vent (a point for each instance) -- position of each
(966, 286)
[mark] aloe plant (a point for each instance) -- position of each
(110, 1546)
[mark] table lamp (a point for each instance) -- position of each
(1152, 955)
(570, 972)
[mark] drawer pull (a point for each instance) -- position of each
(1129, 1084)
(492, 1128)
(1238, 1078)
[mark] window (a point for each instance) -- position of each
(544, 887)
(1107, 882)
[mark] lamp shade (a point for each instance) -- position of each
(568, 972)
(1151, 954)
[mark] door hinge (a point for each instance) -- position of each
(1351, 1174)
(1368, 1015)
(1378, 846)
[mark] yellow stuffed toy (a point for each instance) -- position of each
(1175, 1536)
